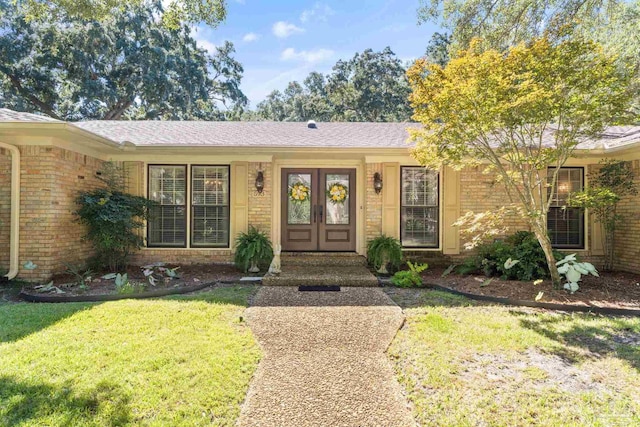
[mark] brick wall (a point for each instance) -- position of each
(373, 207)
(5, 209)
(51, 178)
(627, 249)
(260, 204)
(181, 256)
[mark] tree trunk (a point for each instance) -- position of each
(607, 243)
(541, 233)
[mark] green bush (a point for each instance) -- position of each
(522, 246)
(384, 251)
(113, 219)
(253, 247)
(409, 278)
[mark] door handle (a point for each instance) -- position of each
(320, 207)
(315, 212)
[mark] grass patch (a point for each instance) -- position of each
(464, 363)
(176, 361)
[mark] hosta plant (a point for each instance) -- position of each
(572, 270)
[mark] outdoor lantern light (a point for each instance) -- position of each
(377, 182)
(260, 182)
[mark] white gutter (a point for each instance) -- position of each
(14, 242)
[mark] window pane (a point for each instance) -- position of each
(565, 225)
(299, 199)
(419, 207)
(167, 222)
(210, 206)
(337, 195)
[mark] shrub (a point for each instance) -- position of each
(409, 278)
(522, 246)
(384, 251)
(113, 219)
(253, 249)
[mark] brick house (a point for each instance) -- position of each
(214, 179)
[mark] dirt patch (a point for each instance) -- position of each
(187, 276)
(614, 290)
(530, 369)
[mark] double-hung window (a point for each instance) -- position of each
(208, 206)
(419, 208)
(566, 224)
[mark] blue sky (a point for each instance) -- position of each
(284, 40)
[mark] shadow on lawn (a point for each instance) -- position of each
(22, 319)
(619, 338)
(23, 403)
(420, 297)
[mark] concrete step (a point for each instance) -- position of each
(321, 259)
(322, 275)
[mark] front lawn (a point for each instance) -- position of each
(463, 363)
(176, 361)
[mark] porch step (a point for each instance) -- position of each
(296, 275)
(322, 259)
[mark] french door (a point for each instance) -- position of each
(318, 209)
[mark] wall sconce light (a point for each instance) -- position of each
(260, 182)
(377, 182)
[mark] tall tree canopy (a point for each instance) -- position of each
(503, 23)
(517, 114)
(176, 12)
(371, 86)
(128, 66)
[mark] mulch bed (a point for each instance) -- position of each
(188, 276)
(610, 290)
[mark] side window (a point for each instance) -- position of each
(167, 224)
(565, 224)
(419, 209)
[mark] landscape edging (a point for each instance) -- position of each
(113, 297)
(540, 304)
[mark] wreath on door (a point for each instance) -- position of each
(337, 193)
(299, 192)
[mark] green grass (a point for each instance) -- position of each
(466, 364)
(181, 361)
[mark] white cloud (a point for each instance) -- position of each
(308, 56)
(282, 29)
(201, 41)
(250, 37)
(319, 12)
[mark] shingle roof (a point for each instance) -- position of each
(252, 134)
(7, 115)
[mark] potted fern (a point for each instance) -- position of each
(382, 251)
(253, 249)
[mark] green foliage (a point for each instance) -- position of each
(383, 251)
(82, 276)
(607, 186)
(176, 13)
(517, 114)
(253, 246)
(493, 258)
(409, 278)
(127, 66)
(574, 270)
(371, 87)
(113, 219)
(506, 22)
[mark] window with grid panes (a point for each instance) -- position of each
(565, 224)
(210, 206)
(419, 209)
(167, 223)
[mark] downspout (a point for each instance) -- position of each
(14, 242)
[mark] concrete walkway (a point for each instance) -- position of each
(324, 360)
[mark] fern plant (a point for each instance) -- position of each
(253, 249)
(383, 251)
(409, 278)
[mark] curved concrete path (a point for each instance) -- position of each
(324, 360)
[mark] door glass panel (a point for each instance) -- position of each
(337, 196)
(299, 199)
